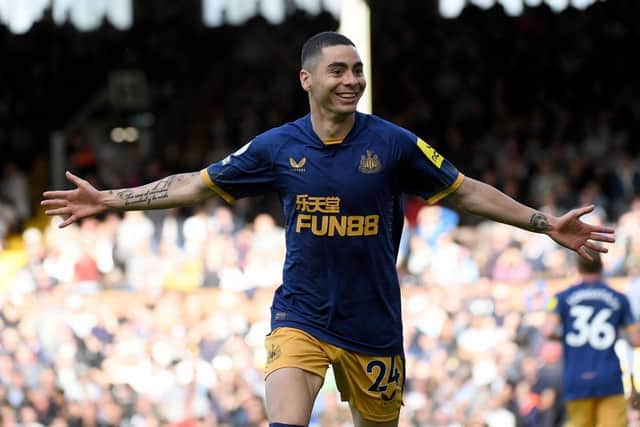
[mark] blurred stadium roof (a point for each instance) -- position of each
(87, 15)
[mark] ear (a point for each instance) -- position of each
(305, 80)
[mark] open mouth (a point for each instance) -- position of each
(349, 96)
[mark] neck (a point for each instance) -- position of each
(591, 277)
(331, 125)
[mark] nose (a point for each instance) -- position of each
(350, 78)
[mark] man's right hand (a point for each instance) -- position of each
(73, 205)
(634, 396)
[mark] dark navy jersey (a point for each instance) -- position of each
(591, 315)
(344, 217)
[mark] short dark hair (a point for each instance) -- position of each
(590, 267)
(313, 46)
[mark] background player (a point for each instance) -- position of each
(590, 314)
(340, 175)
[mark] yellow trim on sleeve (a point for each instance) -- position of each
(212, 185)
(450, 189)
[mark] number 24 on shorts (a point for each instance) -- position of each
(384, 373)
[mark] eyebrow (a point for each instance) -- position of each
(343, 65)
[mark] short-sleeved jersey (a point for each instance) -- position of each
(591, 315)
(343, 210)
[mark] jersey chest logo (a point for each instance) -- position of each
(298, 166)
(370, 163)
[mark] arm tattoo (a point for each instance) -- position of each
(539, 222)
(148, 193)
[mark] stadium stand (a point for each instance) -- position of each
(158, 319)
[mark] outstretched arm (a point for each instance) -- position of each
(632, 334)
(85, 200)
(567, 230)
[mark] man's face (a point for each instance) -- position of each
(336, 82)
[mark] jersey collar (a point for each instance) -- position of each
(358, 126)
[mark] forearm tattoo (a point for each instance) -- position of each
(539, 222)
(148, 193)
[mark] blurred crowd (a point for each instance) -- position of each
(147, 319)
(158, 318)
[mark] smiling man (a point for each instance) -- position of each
(340, 175)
